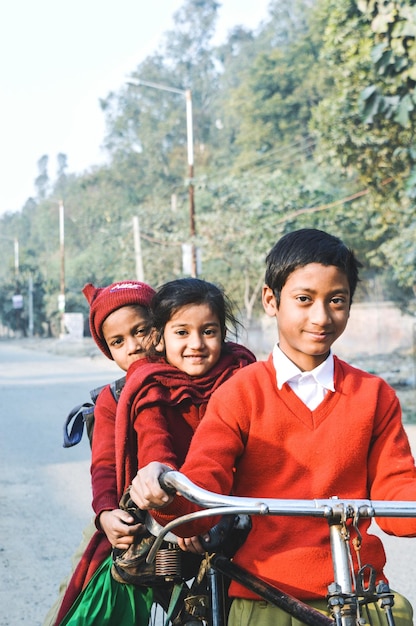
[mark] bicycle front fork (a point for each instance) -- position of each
(344, 594)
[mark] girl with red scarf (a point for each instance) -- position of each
(160, 407)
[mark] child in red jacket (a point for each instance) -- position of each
(119, 321)
(302, 425)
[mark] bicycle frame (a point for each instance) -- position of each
(344, 593)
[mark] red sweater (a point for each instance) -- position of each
(160, 406)
(352, 445)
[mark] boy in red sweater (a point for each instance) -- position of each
(302, 424)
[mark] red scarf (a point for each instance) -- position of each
(151, 383)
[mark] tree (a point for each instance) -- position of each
(354, 123)
(281, 142)
(275, 101)
(151, 121)
(392, 95)
(42, 180)
(362, 126)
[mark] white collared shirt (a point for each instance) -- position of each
(311, 387)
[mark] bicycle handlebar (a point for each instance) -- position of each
(173, 481)
(217, 504)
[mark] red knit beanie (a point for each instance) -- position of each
(106, 300)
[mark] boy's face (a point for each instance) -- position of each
(126, 332)
(313, 312)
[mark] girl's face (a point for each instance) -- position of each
(126, 332)
(192, 339)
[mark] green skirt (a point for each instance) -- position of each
(105, 602)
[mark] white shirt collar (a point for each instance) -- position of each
(286, 370)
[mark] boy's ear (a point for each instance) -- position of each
(269, 301)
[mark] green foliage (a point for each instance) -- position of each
(393, 25)
(367, 122)
(281, 87)
(307, 122)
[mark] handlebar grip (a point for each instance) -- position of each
(164, 483)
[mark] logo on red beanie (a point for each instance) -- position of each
(118, 286)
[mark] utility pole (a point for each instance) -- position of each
(138, 249)
(191, 190)
(30, 306)
(61, 297)
(190, 149)
(16, 257)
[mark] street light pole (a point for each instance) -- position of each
(16, 257)
(16, 254)
(190, 144)
(61, 297)
(190, 149)
(17, 298)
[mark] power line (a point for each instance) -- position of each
(330, 205)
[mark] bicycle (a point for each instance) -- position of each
(348, 593)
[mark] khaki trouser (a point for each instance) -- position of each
(261, 613)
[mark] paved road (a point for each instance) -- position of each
(45, 489)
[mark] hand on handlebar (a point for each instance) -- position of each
(145, 490)
(191, 544)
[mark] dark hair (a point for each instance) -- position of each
(176, 294)
(308, 245)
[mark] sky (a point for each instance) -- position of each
(58, 58)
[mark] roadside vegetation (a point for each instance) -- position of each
(309, 121)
